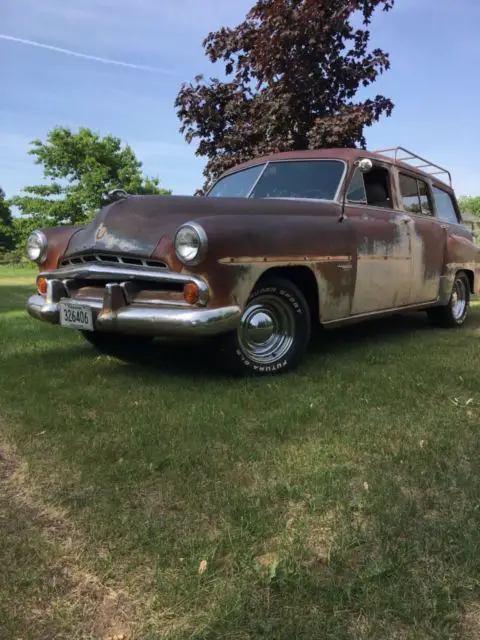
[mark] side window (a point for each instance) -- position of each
(377, 186)
(414, 195)
(372, 188)
(409, 194)
(445, 207)
(425, 204)
(356, 190)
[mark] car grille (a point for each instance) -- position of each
(106, 258)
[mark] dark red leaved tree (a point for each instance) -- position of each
(293, 68)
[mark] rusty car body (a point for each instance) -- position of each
(278, 246)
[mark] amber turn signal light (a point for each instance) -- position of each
(42, 286)
(191, 293)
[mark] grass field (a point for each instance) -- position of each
(158, 499)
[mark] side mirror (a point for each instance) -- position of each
(117, 194)
(365, 165)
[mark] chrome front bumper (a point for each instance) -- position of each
(114, 313)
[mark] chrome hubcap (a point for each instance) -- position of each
(267, 329)
(459, 300)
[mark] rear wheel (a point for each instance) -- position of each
(274, 331)
(116, 343)
(455, 313)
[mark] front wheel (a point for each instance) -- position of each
(455, 313)
(274, 331)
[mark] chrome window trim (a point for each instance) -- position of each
(232, 173)
(258, 179)
(349, 184)
(394, 191)
(336, 197)
(414, 176)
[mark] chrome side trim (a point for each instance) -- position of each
(379, 314)
(125, 273)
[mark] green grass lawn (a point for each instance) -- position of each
(157, 498)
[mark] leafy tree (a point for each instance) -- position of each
(470, 204)
(293, 70)
(82, 168)
(6, 221)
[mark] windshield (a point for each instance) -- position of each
(314, 179)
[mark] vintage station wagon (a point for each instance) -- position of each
(279, 246)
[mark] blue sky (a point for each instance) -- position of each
(434, 80)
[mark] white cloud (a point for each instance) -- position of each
(41, 45)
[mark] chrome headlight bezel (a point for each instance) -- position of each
(37, 242)
(199, 241)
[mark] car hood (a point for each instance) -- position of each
(137, 224)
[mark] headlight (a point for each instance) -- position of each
(191, 243)
(37, 246)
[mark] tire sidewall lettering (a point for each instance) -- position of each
(281, 292)
(260, 368)
(299, 310)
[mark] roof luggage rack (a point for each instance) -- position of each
(427, 166)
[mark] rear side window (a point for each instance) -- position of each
(425, 204)
(445, 207)
(414, 194)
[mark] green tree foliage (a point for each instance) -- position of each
(470, 204)
(6, 222)
(293, 70)
(81, 168)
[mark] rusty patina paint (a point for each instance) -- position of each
(365, 262)
(58, 239)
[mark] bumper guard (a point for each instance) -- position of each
(114, 313)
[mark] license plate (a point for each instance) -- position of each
(76, 316)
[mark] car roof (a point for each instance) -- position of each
(345, 154)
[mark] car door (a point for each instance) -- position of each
(428, 239)
(382, 235)
(461, 252)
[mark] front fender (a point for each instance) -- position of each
(58, 239)
(242, 248)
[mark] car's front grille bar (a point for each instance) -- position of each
(125, 273)
(107, 258)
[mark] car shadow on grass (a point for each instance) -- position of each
(198, 359)
(200, 356)
(389, 329)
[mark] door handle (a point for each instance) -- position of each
(444, 226)
(405, 219)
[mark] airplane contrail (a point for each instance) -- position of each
(86, 56)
